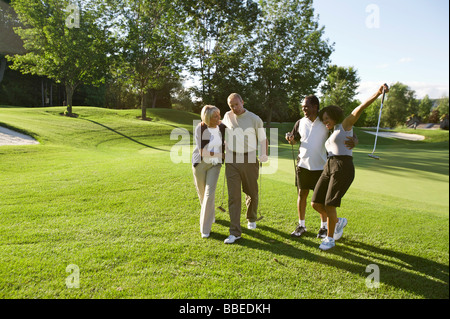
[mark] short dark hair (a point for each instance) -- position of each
(313, 100)
(333, 111)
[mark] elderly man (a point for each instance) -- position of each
(245, 130)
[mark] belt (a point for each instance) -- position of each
(243, 154)
(340, 156)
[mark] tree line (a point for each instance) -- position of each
(138, 53)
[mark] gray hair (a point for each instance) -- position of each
(233, 95)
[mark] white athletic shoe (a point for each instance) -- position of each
(339, 230)
(231, 239)
(205, 235)
(327, 243)
(251, 225)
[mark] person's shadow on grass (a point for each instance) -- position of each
(404, 271)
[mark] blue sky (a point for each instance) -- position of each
(390, 41)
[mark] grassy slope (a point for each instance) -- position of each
(101, 192)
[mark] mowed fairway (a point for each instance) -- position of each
(102, 193)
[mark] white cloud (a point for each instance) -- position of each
(434, 90)
(405, 60)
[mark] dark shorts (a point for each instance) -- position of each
(306, 178)
(337, 176)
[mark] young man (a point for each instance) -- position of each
(245, 130)
(312, 134)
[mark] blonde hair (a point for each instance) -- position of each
(233, 95)
(207, 112)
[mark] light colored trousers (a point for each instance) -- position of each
(205, 177)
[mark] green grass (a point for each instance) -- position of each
(101, 192)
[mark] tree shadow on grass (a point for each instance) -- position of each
(407, 272)
(123, 135)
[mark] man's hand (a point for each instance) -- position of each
(290, 138)
(263, 158)
(351, 142)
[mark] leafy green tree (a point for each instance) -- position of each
(443, 105)
(397, 107)
(413, 104)
(152, 48)
(219, 35)
(425, 108)
(67, 53)
(370, 116)
(340, 87)
(290, 55)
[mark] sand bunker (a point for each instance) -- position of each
(403, 136)
(10, 137)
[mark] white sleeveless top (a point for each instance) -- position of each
(335, 144)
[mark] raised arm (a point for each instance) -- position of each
(350, 120)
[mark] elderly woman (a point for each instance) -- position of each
(339, 172)
(207, 160)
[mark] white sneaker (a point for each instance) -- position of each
(339, 230)
(205, 235)
(327, 243)
(231, 239)
(251, 225)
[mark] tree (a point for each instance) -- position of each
(425, 108)
(397, 106)
(371, 114)
(443, 105)
(340, 87)
(70, 55)
(291, 58)
(153, 45)
(434, 116)
(219, 35)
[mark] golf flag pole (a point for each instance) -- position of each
(378, 127)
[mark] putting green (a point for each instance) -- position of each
(420, 176)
